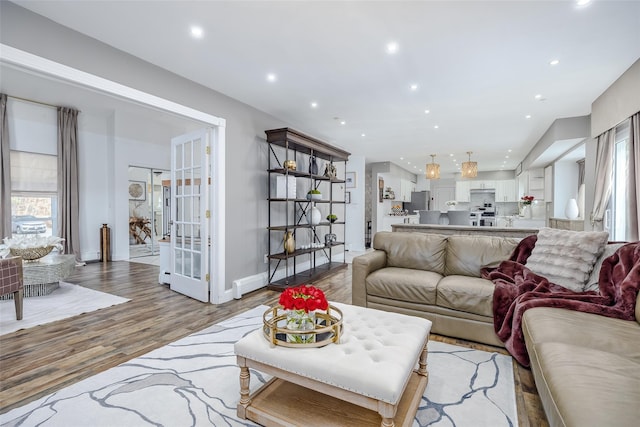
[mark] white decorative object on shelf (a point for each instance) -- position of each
(451, 205)
(314, 216)
(571, 210)
(285, 187)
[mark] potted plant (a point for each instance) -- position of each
(332, 218)
(314, 194)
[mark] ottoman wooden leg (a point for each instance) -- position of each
(245, 378)
(388, 412)
(422, 362)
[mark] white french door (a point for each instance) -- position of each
(190, 181)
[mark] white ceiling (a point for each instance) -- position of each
(478, 65)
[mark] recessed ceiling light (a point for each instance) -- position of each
(342, 122)
(538, 96)
(506, 157)
(413, 87)
(436, 127)
(427, 111)
(554, 62)
(271, 77)
(401, 158)
(408, 163)
(415, 167)
(363, 135)
(196, 32)
(528, 116)
(582, 2)
(509, 150)
(314, 105)
(451, 155)
(392, 47)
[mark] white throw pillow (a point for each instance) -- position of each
(566, 258)
(592, 283)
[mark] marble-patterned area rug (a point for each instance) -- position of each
(67, 301)
(194, 382)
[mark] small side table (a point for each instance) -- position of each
(42, 277)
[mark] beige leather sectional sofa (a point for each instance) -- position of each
(586, 366)
(433, 276)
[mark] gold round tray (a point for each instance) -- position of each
(327, 330)
(31, 254)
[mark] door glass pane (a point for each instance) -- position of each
(197, 149)
(196, 180)
(188, 155)
(178, 157)
(188, 182)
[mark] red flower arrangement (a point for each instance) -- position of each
(303, 297)
(526, 200)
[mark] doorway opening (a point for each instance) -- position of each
(148, 210)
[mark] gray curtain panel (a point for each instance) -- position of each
(68, 206)
(604, 172)
(633, 195)
(5, 171)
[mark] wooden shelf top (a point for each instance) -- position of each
(296, 140)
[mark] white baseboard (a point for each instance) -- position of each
(251, 283)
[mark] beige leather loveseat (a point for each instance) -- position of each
(586, 366)
(433, 276)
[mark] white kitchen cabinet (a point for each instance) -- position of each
(483, 184)
(462, 191)
(536, 183)
(406, 187)
(506, 191)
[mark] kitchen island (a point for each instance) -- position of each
(464, 230)
(388, 221)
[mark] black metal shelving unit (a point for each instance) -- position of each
(289, 144)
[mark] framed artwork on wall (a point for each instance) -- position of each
(350, 179)
(138, 190)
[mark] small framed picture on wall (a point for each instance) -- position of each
(350, 179)
(347, 196)
(138, 190)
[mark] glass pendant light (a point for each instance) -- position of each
(433, 169)
(469, 169)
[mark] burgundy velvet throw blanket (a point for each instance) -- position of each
(518, 289)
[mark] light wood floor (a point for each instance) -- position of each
(38, 361)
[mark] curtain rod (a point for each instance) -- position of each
(37, 102)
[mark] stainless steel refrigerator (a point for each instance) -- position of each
(420, 201)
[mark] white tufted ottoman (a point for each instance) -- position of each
(367, 379)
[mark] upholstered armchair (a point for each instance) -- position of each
(11, 281)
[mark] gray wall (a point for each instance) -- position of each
(620, 101)
(246, 152)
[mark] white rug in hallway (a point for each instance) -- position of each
(194, 382)
(67, 301)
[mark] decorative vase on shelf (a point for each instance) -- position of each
(300, 320)
(313, 165)
(314, 216)
(571, 210)
(526, 211)
(289, 242)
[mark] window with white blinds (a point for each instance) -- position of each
(33, 173)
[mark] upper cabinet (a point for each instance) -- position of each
(506, 191)
(536, 183)
(406, 187)
(482, 184)
(462, 191)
